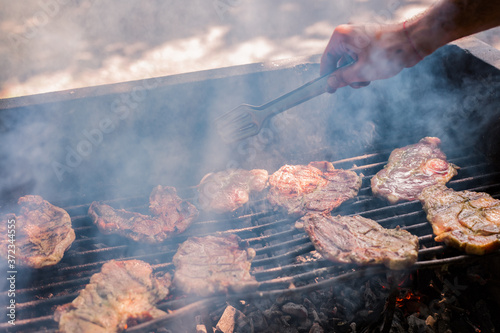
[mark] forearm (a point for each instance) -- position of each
(383, 51)
(449, 20)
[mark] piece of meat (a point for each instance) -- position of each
(412, 168)
(228, 190)
(213, 264)
(123, 294)
(316, 187)
(165, 203)
(362, 241)
(171, 216)
(41, 233)
(466, 220)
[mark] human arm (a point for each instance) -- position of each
(382, 51)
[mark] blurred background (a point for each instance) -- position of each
(52, 45)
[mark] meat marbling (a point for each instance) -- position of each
(171, 215)
(412, 168)
(228, 190)
(466, 220)
(122, 294)
(362, 241)
(213, 264)
(316, 187)
(43, 232)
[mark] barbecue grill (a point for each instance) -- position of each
(114, 143)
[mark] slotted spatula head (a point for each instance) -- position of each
(240, 123)
(247, 120)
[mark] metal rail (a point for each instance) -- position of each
(277, 242)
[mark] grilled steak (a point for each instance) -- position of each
(123, 294)
(317, 187)
(228, 190)
(355, 239)
(165, 203)
(411, 169)
(42, 233)
(171, 215)
(211, 264)
(466, 220)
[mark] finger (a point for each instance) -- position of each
(328, 62)
(350, 75)
(347, 59)
(355, 73)
(333, 51)
(357, 85)
(330, 90)
(335, 82)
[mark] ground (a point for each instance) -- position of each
(52, 45)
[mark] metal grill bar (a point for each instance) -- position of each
(358, 274)
(277, 242)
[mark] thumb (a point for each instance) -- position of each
(350, 75)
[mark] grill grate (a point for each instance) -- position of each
(277, 242)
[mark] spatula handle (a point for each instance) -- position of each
(300, 95)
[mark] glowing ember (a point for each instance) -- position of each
(408, 297)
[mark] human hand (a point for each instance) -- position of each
(380, 52)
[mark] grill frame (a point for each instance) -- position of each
(283, 243)
(75, 171)
(72, 274)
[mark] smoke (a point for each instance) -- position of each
(155, 133)
(159, 131)
(128, 142)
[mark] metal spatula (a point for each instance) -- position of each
(247, 120)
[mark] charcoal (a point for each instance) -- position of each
(280, 300)
(398, 324)
(430, 321)
(309, 305)
(262, 304)
(415, 324)
(315, 316)
(296, 310)
(163, 330)
(369, 296)
(285, 320)
(316, 328)
(288, 330)
(482, 312)
(201, 329)
(272, 312)
(233, 320)
(305, 325)
(259, 321)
